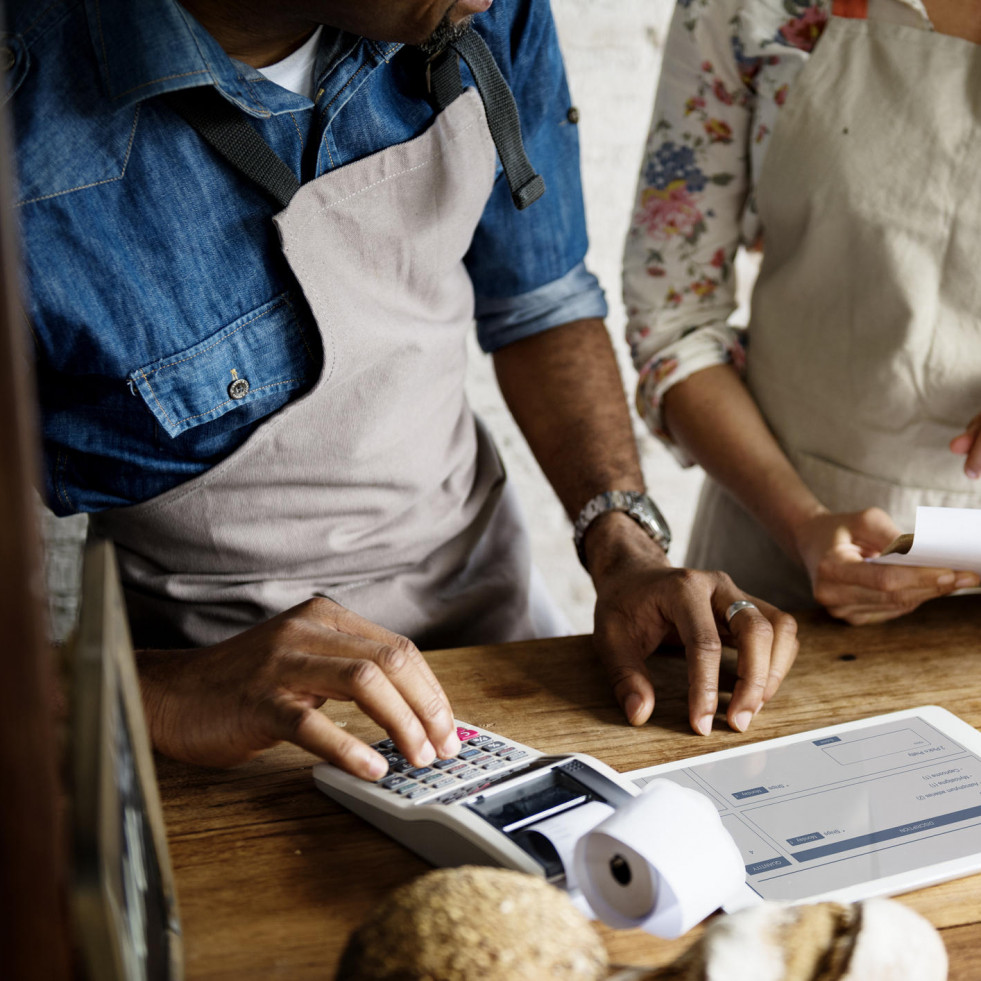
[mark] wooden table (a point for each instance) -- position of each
(272, 876)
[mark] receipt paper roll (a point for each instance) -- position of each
(661, 862)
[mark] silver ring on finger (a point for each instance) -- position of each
(738, 607)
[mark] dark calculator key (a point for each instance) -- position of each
(444, 764)
(403, 766)
(420, 772)
(432, 777)
(504, 751)
(460, 769)
(384, 745)
(493, 746)
(477, 760)
(469, 754)
(391, 783)
(406, 788)
(479, 740)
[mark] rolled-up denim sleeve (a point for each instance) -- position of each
(503, 320)
(527, 266)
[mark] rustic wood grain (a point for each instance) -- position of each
(272, 876)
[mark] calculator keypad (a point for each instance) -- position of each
(480, 754)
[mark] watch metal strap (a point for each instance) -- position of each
(632, 503)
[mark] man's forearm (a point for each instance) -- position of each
(714, 418)
(564, 389)
(565, 392)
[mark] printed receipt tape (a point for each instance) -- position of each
(661, 862)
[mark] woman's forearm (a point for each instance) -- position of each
(713, 417)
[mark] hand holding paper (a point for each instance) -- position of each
(835, 549)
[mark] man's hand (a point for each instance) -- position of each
(833, 548)
(969, 443)
(221, 705)
(640, 598)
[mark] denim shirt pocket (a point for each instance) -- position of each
(255, 361)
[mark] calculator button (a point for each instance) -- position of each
(418, 792)
(504, 751)
(406, 788)
(494, 764)
(391, 783)
(445, 764)
(479, 740)
(419, 772)
(403, 766)
(492, 747)
(463, 734)
(384, 745)
(517, 755)
(469, 754)
(432, 777)
(467, 773)
(444, 781)
(477, 760)
(460, 769)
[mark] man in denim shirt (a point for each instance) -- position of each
(262, 403)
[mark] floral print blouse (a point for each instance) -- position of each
(728, 67)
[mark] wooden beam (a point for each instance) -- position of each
(33, 881)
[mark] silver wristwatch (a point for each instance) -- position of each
(639, 506)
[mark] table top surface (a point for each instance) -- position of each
(272, 876)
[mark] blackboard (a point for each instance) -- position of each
(123, 902)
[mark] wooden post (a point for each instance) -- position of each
(33, 865)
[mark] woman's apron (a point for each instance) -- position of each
(379, 488)
(865, 340)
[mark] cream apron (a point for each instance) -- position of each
(379, 488)
(865, 339)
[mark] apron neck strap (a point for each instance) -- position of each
(226, 130)
(499, 106)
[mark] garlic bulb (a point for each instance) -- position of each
(877, 940)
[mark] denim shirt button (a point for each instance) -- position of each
(238, 388)
(7, 58)
(572, 115)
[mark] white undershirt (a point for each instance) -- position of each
(295, 71)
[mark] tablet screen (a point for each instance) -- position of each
(820, 813)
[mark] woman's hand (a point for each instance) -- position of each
(969, 443)
(834, 547)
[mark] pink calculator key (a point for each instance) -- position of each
(464, 734)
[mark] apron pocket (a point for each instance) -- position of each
(259, 358)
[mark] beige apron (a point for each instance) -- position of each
(865, 338)
(379, 488)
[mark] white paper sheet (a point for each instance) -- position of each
(944, 538)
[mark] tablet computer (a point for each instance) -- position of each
(870, 808)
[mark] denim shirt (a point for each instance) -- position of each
(144, 251)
